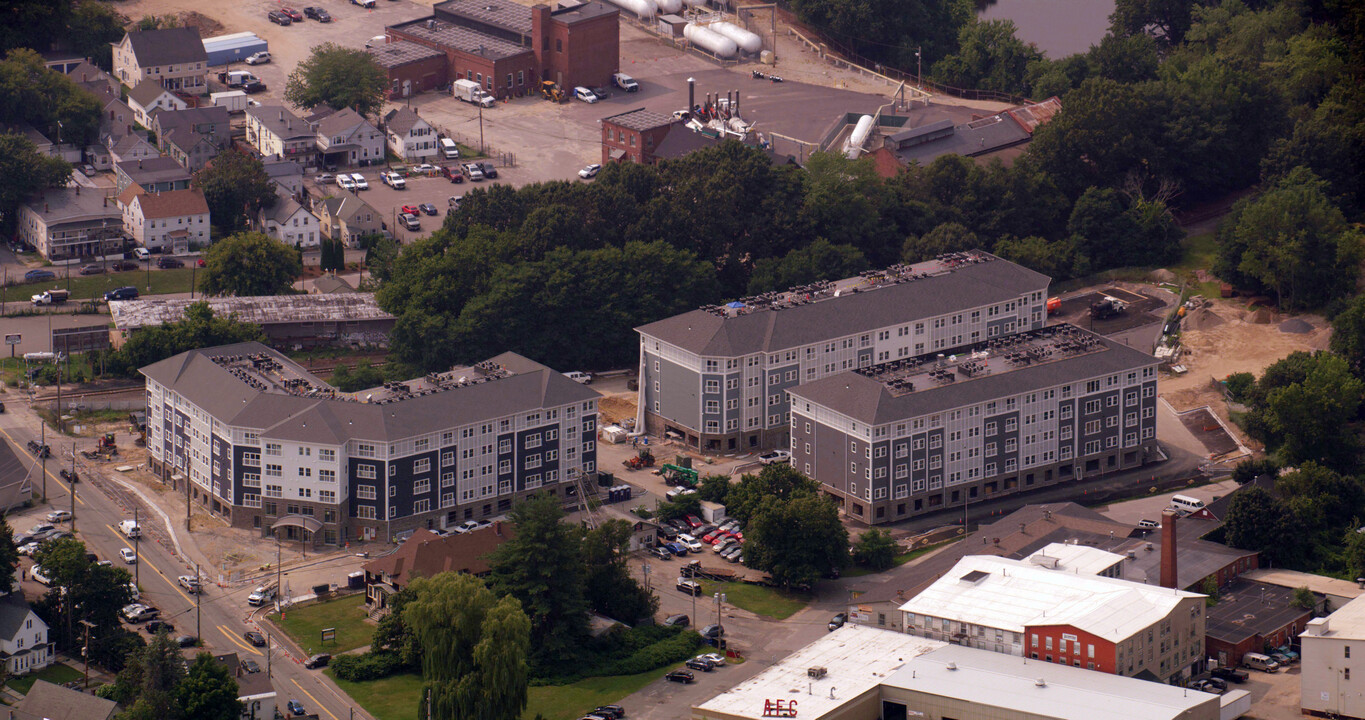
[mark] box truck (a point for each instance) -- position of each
(233, 100)
(470, 92)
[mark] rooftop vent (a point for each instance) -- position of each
(975, 576)
(951, 666)
(817, 672)
(1040, 682)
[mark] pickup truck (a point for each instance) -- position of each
(51, 297)
(393, 180)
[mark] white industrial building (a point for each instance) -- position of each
(1330, 646)
(861, 673)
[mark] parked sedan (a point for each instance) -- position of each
(317, 661)
(700, 664)
(317, 13)
(681, 676)
(165, 263)
(127, 555)
(661, 553)
(838, 621)
(293, 14)
(92, 269)
(278, 17)
(296, 707)
(427, 208)
(409, 221)
(254, 638)
(57, 516)
(185, 641)
(250, 666)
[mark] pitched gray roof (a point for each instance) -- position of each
(869, 400)
(13, 610)
(402, 120)
(340, 122)
(146, 92)
(54, 702)
(281, 122)
(196, 376)
(168, 46)
(768, 330)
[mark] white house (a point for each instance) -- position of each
(290, 223)
(347, 138)
(174, 221)
(409, 136)
(173, 57)
(276, 132)
(148, 97)
(23, 636)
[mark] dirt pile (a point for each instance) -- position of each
(1202, 319)
(615, 408)
(1296, 326)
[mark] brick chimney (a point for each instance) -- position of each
(1168, 549)
(497, 528)
(540, 35)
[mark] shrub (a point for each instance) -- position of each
(366, 666)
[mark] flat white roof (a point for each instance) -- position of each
(1045, 689)
(1076, 559)
(855, 658)
(1294, 579)
(1347, 623)
(1010, 595)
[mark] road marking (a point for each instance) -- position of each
(310, 697)
(143, 559)
(233, 639)
(25, 451)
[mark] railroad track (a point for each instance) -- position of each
(89, 393)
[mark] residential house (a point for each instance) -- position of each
(64, 223)
(150, 96)
(409, 136)
(23, 636)
(129, 148)
(290, 223)
(155, 174)
(92, 78)
(345, 138)
(346, 217)
(425, 554)
(254, 690)
(173, 57)
(175, 221)
(276, 132)
(54, 702)
(192, 136)
(41, 143)
(286, 174)
(15, 487)
(331, 285)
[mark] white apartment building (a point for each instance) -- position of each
(1329, 648)
(173, 57)
(172, 222)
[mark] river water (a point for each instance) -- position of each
(1058, 27)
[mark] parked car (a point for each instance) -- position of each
(88, 170)
(40, 575)
(57, 516)
(716, 659)
(690, 587)
(472, 171)
(693, 521)
(28, 548)
(166, 262)
(317, 661)
(732, 555)
(124, 293)
(254, 638)
(185, 641)
(278, 17)
(409, 221)
(681, 676)
(41, 529)
(293, 14)
(590, 171)
(427, 208)
(258, 58)
(692, 544)
(155, 626)
(296, 707)
(676, 621)
(317, 13)
(92, 269)
(661, 553)
(585, 95)
(676, 548)
(837, 621)
(359, 181)
(345, 182)
(127, 555)
(713, 631)
(39, 276)
(615, 712)
(123, 265)
(1211, 685)
(250, 666)
(776, 456)
(137, 612)
(489, 171)
(1230, 674)
(190, 583)
(1288, 652)
(699, 664)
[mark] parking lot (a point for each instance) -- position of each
(419, 189)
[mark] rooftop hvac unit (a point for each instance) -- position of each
(817, 672)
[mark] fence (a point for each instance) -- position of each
(505, 159)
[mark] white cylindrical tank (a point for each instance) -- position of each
(643, 9)
(710, 40)
(858, 137)
(669, 7)
(694, 3)
(747, 41)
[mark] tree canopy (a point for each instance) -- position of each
(236, 187)
(249, 263)
(23, 172)
(339, 77)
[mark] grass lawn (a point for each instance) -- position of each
(56, 673)
(768, 602)
(393, 698)
(397, 697)
(84, 287)
(305, 624)
(900, 559)
(1200, 253)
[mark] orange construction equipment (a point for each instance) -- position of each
(1053, 305)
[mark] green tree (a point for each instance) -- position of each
(147, 684)
(1127, 59)
(989, 57)
(1112, 232)
(333, 255)
(843, 204)
(1353, 549)
(817, 261)
(1210, 588)
(394, 635)
(714, 488)
(362, 377)
(381, 255)
(23, 172)
(93, 26)
(1257, 520)
(1310, 420)
(1166, 20)
(679, 507)
(49, 101)
(208, 692)
(32, 23)
(1058, 259)
(247, 264)
(1348, 335)
(946, 238)
(199, 329)
(609, 587)
(474, 648)
(1304, 599)
(875, 550)
(80, 590)
(1253, 469)
(236, 187)
(887, 31)
(778, 481)
(1331, 142)
(340, 77)
(542, 566)
(796, 540)
(9, 558)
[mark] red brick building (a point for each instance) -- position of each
(509, 48)
(633, 136)
(412, 67)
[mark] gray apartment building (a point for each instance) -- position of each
(1014, 413)
(264, 444)
(717, 378)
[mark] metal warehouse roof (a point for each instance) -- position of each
(260, 310)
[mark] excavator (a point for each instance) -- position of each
(551, 91)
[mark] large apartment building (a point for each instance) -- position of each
(1064, 616)
(1023, 411)
(265, 444)
(717, 378)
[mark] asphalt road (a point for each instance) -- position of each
(220, 616)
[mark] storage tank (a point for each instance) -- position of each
(710, 40)
(747, 41)
(858, 137)
(694, 3)
(669, 7)
(643, 9)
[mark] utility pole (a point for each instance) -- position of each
(720, 598)
(481, 150)
(137, 557)
(73, 488)
(919, 68)
(268, 671)
(693, 593)
(86, 652)
(198, 612)
(43, 456)
(186, 477)
(278, 585)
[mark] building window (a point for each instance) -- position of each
(364, 492)
(365, 471)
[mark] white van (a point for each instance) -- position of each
(1186, 504)
(585, 94)
(449, 149)
(1257, 661)
(142, 253)
(130, 528)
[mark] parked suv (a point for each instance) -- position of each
(278, 17)
(123, 293)
(166, 262)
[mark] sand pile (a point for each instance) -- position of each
(1296, 326)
